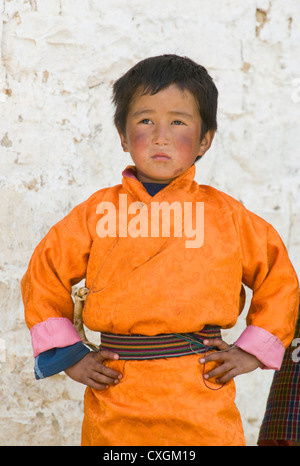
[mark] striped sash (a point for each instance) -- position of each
(160, 346)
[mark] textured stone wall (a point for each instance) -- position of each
(58, 145)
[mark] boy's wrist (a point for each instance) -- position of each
(262, 344)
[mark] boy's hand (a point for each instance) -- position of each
(91, 371)
(232, 362)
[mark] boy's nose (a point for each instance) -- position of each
(161, 135)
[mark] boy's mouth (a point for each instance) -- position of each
(161, 156)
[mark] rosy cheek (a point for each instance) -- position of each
(138, 140)
(184, 143)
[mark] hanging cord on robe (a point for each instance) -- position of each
(80, 298)
(197, 343)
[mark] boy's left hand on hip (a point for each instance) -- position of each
(232, 361)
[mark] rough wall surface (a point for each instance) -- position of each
(58, 145)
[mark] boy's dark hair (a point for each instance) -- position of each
(156, 73)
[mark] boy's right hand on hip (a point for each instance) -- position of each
(91, 371)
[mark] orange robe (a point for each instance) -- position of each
(153, 285)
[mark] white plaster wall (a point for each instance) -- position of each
(58, 145)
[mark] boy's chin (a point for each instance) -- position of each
(155, 177)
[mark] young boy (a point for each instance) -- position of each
(163, 375)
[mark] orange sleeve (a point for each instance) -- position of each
(268, 271)
(58, 263)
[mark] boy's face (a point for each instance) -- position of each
(163, 134)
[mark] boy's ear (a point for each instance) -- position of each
(123, 141)
(206, 142)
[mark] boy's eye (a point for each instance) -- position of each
(146, 121)
(177, 122)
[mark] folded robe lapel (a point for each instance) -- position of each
(126, 253)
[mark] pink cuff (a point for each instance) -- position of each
(55, 332)
(262, 344)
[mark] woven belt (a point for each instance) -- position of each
(160, 346)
